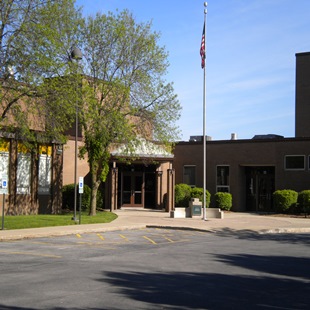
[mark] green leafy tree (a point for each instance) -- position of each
(35, 41)
(125, 95)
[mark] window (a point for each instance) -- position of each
(23, 170)
(222, 178)
(189, 175)
(4, 161)
(45, 165)
(294, 162)
(23, 173)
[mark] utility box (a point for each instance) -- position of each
(195, 207)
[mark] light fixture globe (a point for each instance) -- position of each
(76, 53)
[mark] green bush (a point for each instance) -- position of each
(285, 200)
(68, 197)
(182, 195)
(303, 200)
(223, 200)
(100, 202)
(197, 192)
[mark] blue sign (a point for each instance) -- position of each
(81, 185)
(4, 185)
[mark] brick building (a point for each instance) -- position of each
(30, 165)
(252, 169)
(31, 180)
(147, 182)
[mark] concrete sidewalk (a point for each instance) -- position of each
(141, 218)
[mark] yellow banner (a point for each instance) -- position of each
(21, 148)
(45, 150)
(4, 146)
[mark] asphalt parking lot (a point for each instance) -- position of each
(156, 269)
(58, 247)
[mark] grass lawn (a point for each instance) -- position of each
(45, 220)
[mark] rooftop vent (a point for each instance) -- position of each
(195, 138)
(233, 136)
(199, 138)
(268, 136)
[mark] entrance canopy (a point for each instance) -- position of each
(142, 148)
(146, 181)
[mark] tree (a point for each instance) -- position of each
(124, 94)
(35, 41)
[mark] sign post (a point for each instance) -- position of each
(81, 190)
(4, 190)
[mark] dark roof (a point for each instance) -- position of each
(268, 136)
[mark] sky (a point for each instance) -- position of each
(250, 60)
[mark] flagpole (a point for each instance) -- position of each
(204, 120)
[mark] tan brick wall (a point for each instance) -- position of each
(69, 159)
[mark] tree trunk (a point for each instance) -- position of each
(94, 189)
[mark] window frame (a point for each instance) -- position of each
(4, 169)
(294, 169)
(44, 175)
(23, 174)
(189, 166)
(226, 186)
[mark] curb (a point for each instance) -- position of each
(60, 233)
(285, 231)
(43, 234)
(215, 230)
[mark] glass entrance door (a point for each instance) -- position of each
(132, 193)
(260, 186)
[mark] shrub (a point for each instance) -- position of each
(197, 192)
(85, 205)
(182, 195)
(100, 202)
(223, 200)
(68, 197)
(284, 200)
(303, 202)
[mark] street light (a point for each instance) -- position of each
(77, 55)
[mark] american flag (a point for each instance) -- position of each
(202, 48)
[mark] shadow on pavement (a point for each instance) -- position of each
(301, 238)
(185, 290)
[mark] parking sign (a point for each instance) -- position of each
(81, 185)
(4, 184)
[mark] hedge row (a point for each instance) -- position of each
(290, 201)
(183, 194)
(284, 201)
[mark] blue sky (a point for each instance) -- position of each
(250, 65)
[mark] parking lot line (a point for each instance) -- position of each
(100, 236)
(149, 239)
(29, 253)
(124, 237)
(170, 240)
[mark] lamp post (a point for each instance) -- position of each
(204, 119)
(77, 55)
